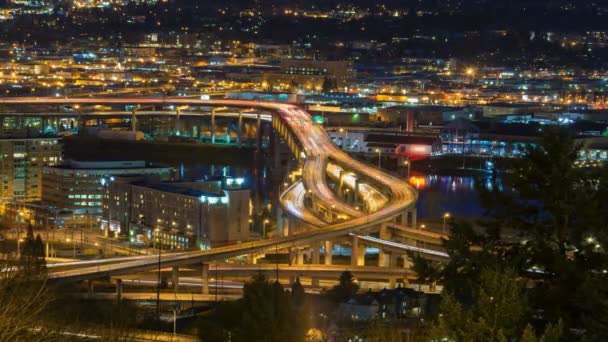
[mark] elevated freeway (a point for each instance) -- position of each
(311, 147)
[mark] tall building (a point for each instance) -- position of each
(189, 215)
(21, 166)
(74, 190)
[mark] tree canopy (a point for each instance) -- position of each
(550, 228)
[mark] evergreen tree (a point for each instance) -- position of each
(499, 313)
(297, 293)
(266, 313)
(551, 228)
(32, 259)
(345, 288)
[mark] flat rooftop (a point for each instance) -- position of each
(107, 165)
(180, 190)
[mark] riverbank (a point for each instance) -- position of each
(462, 165)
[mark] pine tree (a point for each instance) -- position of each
(345, 288)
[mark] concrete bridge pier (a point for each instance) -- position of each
(316, 253)
(383, 259)
(212, 127)
(328, 249)
(299, 257)
(357, 254)
(392, 261)
(287, 226)
(205, 278)
(413, 217)
(356, 198)
(90, 287)
(239, 130)
(175, 278)
(392, 282)
(133, 120)
(341, 181)
(407, 262)
(119, 289)
(253, 258)
(258, 142)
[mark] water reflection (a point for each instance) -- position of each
(456, 194)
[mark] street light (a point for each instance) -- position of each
(379, 151)
(445, 217)
(407, 163)
(264, 223)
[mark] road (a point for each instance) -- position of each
(318, 150)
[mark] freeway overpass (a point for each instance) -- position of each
(313, 150)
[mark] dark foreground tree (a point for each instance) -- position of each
(551, 228)
(266, 313)
(499, 313)
(345, 288)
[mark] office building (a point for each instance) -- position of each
(21, 164)
(74, 192)
(187, 215)
(311, 74)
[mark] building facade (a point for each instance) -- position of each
(187, 215)
(311, 74)
(74, 192)
(21, 166)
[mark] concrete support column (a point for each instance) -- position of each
(384, 232)
(239, 132)
(90, 287)
(392, 282)
(341, 181)
(357, 257)
(133, 120)
(328, 249)
(205, 279)
(403, 218)
(258, 126)
(253, 258)
(407, 262)
(383, 259)
(314, 282)
(392, 260)
(118, 289)
(175, 277)
(316, 251)
(299, 257)
(286, 226)
(212, 128)
(413, 214)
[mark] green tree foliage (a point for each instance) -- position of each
(560, 210)
(345, 288)
(551, 228)
(499, 314)
(266, 313)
